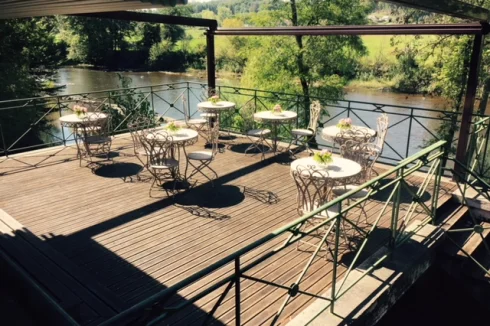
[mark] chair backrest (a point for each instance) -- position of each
(158, 146)
(96, 124)
(313, 188)
(361, 154)
(382, 125)
(136, 127)
(315, 110)
(247, 113)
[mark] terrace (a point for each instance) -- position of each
(90, 247)
(109, 246)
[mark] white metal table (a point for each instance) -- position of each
(179, 139)
(339, 169)
(215, 110)
(275, 119)
(77, 121)
(74, 121)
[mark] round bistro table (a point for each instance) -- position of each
(275, 120)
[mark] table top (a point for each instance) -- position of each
(182, 136)
(73, 118)
(331, 132)
(340, 167)
(282, 117)
(220, 106)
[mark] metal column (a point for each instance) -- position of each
(472, 84)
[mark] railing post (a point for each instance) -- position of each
(237, 291)
(396, 208)
(110, 125)
(469, 101)
(335, 259)
(5, 149)
(437, 183)
(188, 102)
(61, 113)
(409, 132)
(152, 102)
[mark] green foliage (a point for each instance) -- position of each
(27, 51)
(97, 41)
(127, 104)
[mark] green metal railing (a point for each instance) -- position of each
(228, 273)
(473, 182)
(36, 126)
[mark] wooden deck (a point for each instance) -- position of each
(122, 246)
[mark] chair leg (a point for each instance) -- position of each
(200, 168)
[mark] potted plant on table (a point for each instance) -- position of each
(214, 99)
(172, 128)
(345, 124)
(323, 158)
(277, 110)
(79, 110)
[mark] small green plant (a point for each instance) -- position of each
(324, 157)
(214, 99)
(277, 109)
(345, 124)
(172, 127)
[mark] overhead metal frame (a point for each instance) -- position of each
(452, 8)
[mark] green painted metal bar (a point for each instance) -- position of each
(134, 311)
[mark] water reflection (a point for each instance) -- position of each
(169, 103)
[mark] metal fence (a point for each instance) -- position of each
(28, 124)
(228, 274)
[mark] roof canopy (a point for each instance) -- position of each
(32, 8)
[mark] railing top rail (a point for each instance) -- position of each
(40, 98)
(332, 100)
(230, 258)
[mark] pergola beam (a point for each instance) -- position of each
(422, 29)
(453, 8)
(34, 8)
(153, 18)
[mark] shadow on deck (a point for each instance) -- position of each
(109, 245)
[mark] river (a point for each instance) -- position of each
(79, 80)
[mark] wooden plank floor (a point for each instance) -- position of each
(105, 223)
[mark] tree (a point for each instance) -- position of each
(98, 39)
(28, 51)
(313, 66)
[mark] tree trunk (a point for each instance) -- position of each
(302, 68)
(459, 100)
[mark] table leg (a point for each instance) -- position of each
(274, 138)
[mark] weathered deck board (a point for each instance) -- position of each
(135, 245)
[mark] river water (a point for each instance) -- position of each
(401, 142)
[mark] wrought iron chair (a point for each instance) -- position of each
(137, 128)
(361, 154)
(257, 136)
(314, 188)
(94, 137)
(201, 160)
(160, 162)
(376, 148)
(304, 136)
(359, 135)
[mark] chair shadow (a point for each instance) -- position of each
(204, 212)
(118, 170)
(405, 196)
(242, 147)
(263, 196)
(207, 196)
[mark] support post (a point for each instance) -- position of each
(471, 86)
(211, 64)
